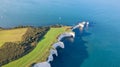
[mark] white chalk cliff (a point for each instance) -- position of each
(60, 44)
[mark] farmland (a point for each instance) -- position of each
(12, 35)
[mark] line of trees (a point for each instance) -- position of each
(56, 25)
(1, 28)
(9, 52)
(13, 50)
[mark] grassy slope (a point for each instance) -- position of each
(12, 35)
(41, 51)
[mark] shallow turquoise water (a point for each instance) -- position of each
(100, 49)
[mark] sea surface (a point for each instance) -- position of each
(99, 46)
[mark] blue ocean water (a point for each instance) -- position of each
(98, 47)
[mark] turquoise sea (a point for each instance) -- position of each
(98, 47)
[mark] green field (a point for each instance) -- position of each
(41, 51)
(12, 35)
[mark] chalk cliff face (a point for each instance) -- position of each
(54, 50)
(66, 34)
(60, 44)
(43, 64)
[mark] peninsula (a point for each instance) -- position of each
(28, 46)
(31, 44)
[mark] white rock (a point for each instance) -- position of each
(58, 44)
(53, 51)
(43, 64)
(66, 34)
(50, 58)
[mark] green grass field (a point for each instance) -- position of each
(12, 35)
(41, 51)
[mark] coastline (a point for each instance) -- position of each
(46, 49)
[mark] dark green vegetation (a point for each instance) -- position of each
(1, 28)
(10, 51)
